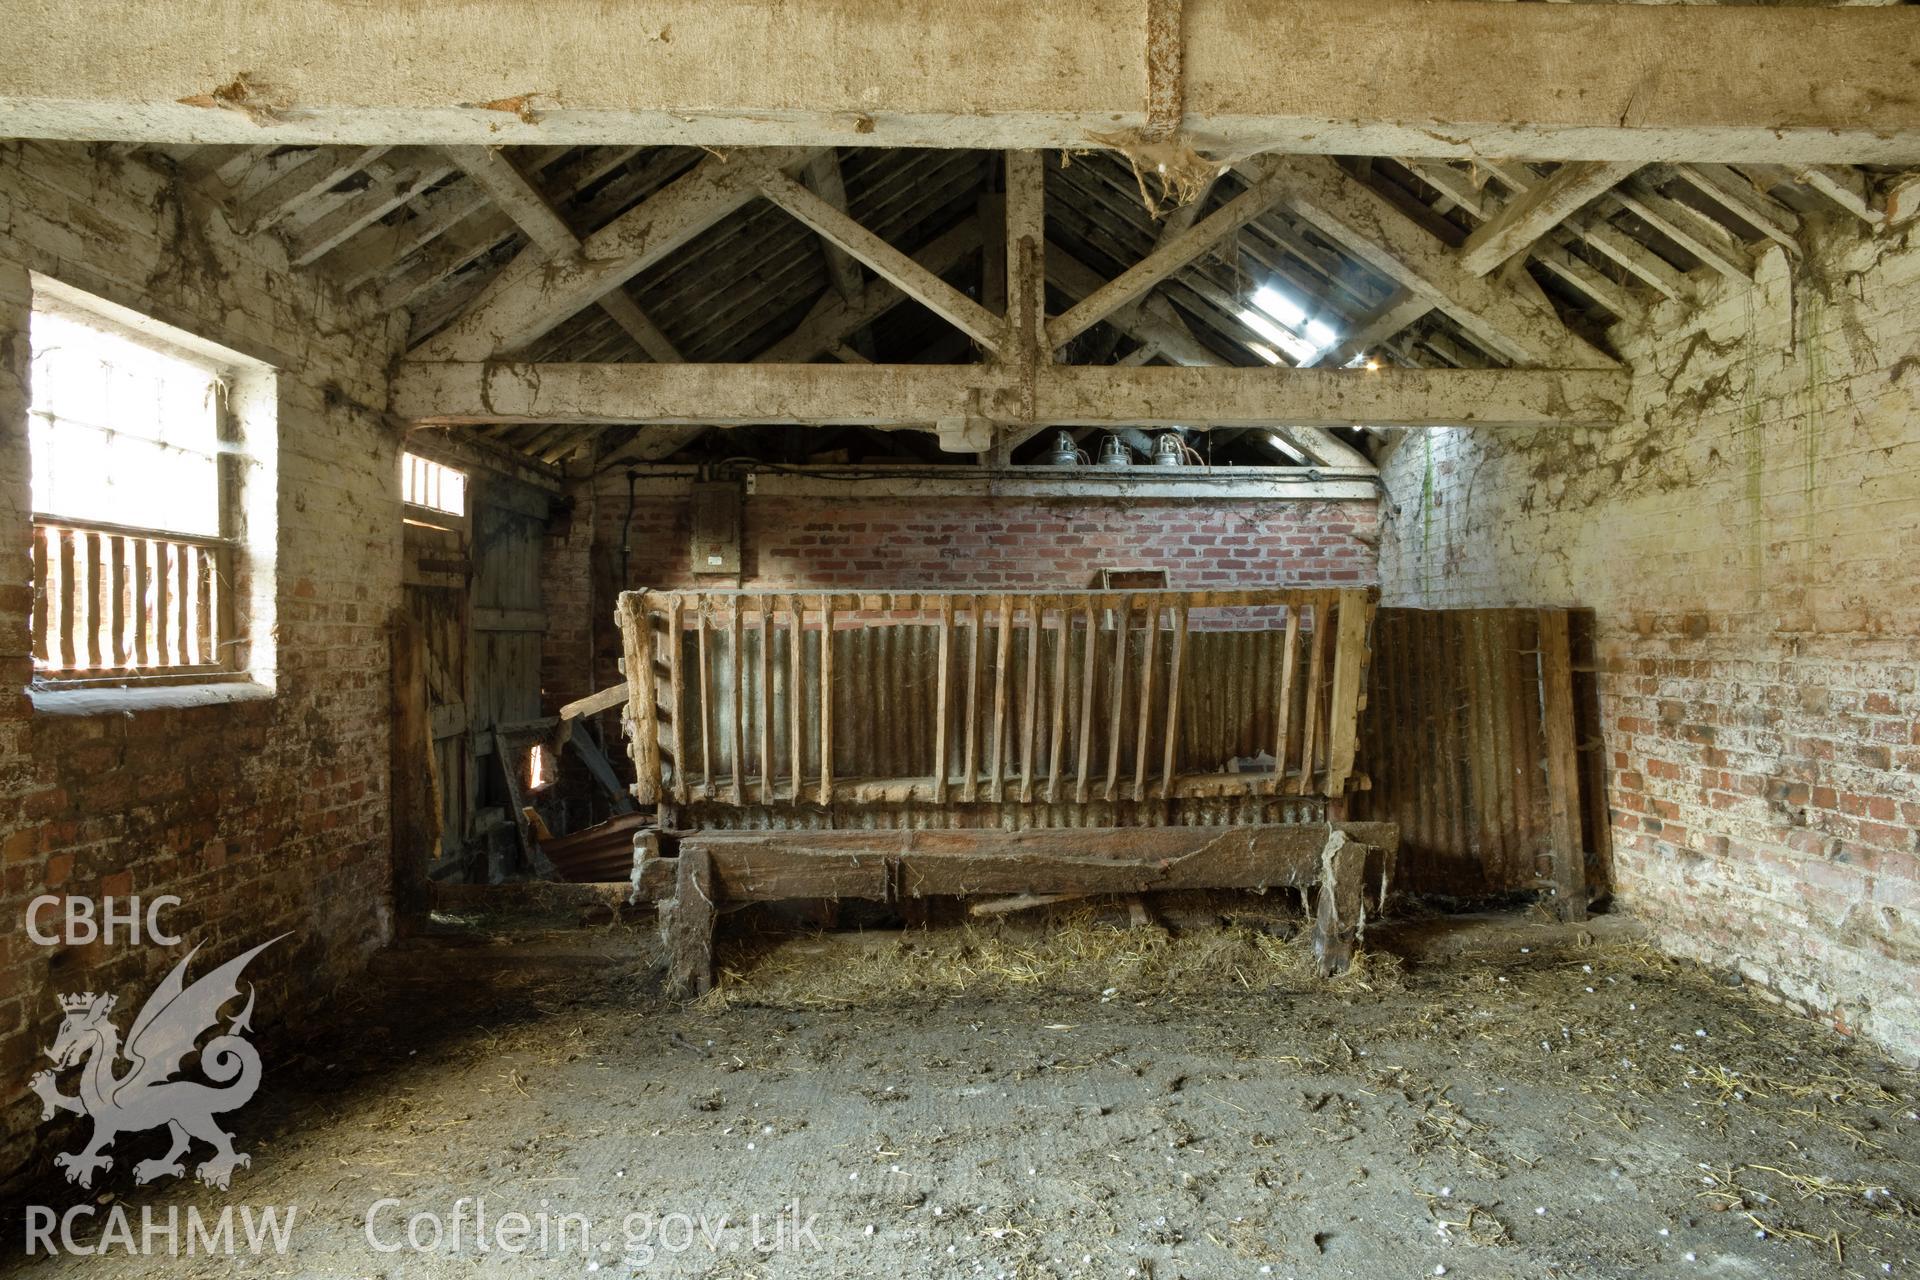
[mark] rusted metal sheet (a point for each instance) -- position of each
(1453, 740)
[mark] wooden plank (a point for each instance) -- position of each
(1089, 661)
(796, 706)
(602, 770)
(942, 696)
(1341, 904)
(1057, 745)
(1146, 700)
(143, 636)
(1002, 658)
(40, 629)
(594, 703)
(1173, 699)
(1315, 668)
(1349, 666)
(183, 605)
(676, 701)
(1028, 720)
(826, 700)
(736, 731)
(1563, 766)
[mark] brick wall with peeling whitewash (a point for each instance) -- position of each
(264, 816)
(1749, 539)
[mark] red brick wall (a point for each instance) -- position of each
(885, 542)
(263, 816)
(1747, 540)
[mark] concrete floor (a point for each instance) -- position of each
(1509, 1099)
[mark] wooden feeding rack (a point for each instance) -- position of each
(926, 743)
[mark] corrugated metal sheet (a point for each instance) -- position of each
(1452, 739)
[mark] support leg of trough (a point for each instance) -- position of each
(687, 921)
(1336, 922)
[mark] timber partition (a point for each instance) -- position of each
(922, 743)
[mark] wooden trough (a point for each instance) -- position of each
(907, 745)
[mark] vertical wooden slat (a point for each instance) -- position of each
(970, 784)
(1086, 701)
(1031, 710)
(65, 615)
(1117, 696)
(1349, 664)
(942, 696)
(226, 617)
(1146, 699)
(38, 629)
(1315, 669)
(1173, 698)
(203, 602)
(676, 700)
(826, 699)
(143, 637)
(766, 700)
(1563, 766)
(1283, 701)
(95, 598)
(796, 705)
(1057, 745)
(182, 605)
(736, 732)
(705, 658)
(1002, 659)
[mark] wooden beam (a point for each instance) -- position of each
(304, 179)
(1266, 190)
(1699, 235)
(514, 194)
(834, 319)
(1520, 327)
(910, 395)
(822, 176)
(912, 279)
(1544, 206)
(532, 293)
(1563, 766)
(1598, 82)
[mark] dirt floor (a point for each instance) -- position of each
(1488, 1097)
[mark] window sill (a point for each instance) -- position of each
(170, 697)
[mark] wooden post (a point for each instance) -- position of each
(1086, 701)
(1563, 766)
(414, 823)
(1173, 700)
(795, 704)
(1117, 696)
(736, 735)
(1031, 711)
(689, 923)
(642, 701)
(1283, 714)
(1002, 659)
(1349, 667)
(1057, 745)
(766, 700)
(1337, 915)
(1146, 700)
(676, 696)
(942, 697)
(970, 784)
(706, 701)
(826, 699)
(1316, 666)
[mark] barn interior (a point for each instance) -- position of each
(1167, 639)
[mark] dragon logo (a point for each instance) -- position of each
(163, 1034)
